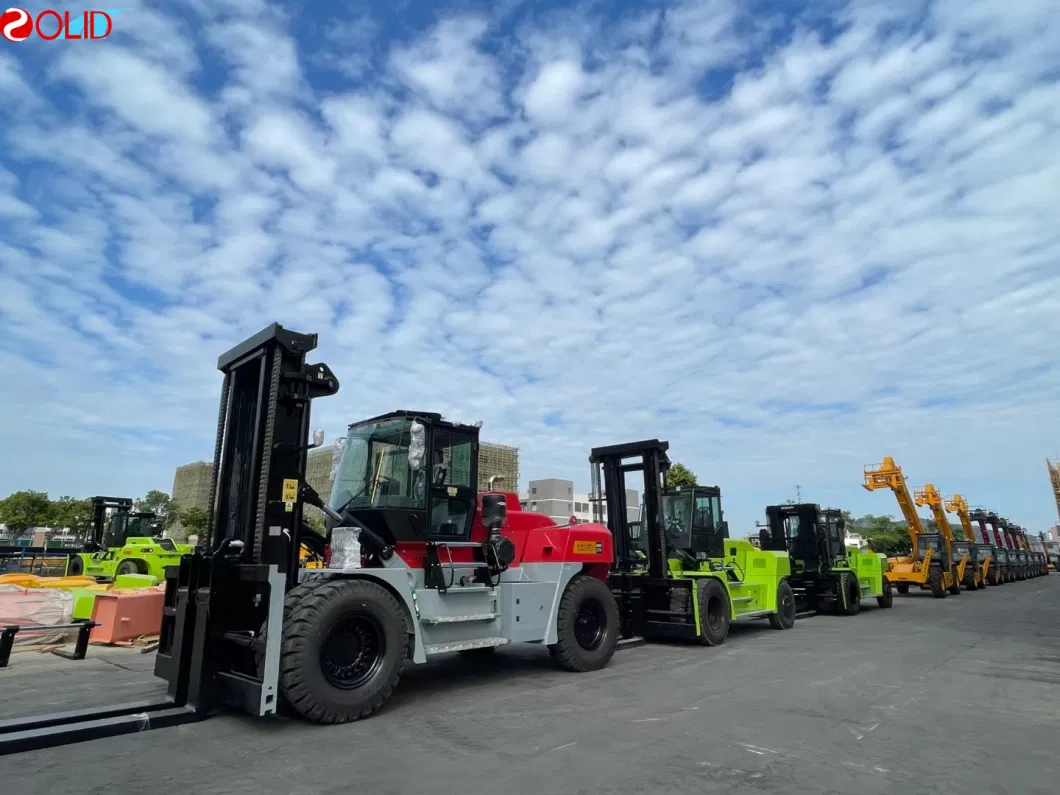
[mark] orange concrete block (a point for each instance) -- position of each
(127, 615)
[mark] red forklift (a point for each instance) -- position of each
(420, 563)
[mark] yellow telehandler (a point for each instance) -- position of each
(986, 559)
(929, 566)
(963, 553)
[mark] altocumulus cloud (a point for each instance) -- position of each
(790, 244)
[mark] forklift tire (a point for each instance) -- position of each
(886, 599)
(934, 582)
(851, 594)
(713, 611)
(784, 618)
(76, 566)
(970, 583)
(357, 621)
(586, 626)
(127, 567)
(902, 588)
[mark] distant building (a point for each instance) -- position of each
(557, 499)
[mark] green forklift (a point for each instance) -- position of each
(124, 541)
(826, 575)
(678, 575)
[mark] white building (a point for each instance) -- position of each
(557, 499)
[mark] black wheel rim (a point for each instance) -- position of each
(716, 614)
(590, 624)
(352, 651)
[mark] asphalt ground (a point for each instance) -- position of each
(951, 696)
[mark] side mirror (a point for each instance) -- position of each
(494, 511)
(723, 529)
(417, 445)
(318, 438)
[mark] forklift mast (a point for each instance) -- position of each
(609, 488)
(211, 651)
(121, 506)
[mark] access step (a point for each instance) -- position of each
(459, 619)
(464, 645)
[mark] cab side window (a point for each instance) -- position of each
(452, 490)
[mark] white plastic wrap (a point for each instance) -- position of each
(41, 607)
(345, 548)
(417, 445)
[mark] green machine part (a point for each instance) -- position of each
(697, 538)
(677, 574)
(827, 574)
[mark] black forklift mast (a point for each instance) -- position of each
(635, 593)
(100, 506)
(211, 651)
(653, 463)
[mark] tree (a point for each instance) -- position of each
(680, 475)
(72, 514)
(25, 510)
(161, 505)
(194, 521)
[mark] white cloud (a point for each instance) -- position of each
(790, 252)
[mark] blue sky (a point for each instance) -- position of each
(790, 238)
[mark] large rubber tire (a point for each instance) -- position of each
(934, 582)
(969, 580)
(127, 567)
(851, 594)
(784, 618)
(339, 617)
(886, 599)
(902, 588)
(955, 589)
(75, 567)
(714, 612)
(586, 626)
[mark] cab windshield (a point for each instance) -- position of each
(963, 549)
(374, 471)
(689, 519)
(122, 527)
(931, 543)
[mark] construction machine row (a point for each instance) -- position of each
(264, 615)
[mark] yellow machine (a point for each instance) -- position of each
(987, 567)
(930, 565)
(960, 554)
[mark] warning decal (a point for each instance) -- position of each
(588, 547)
